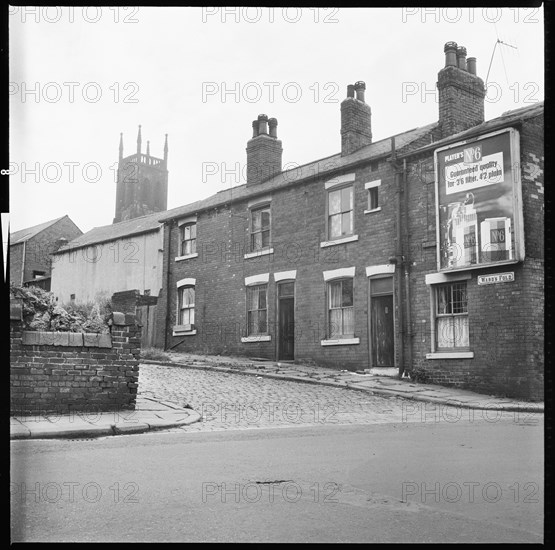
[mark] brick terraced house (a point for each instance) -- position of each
(422, 252)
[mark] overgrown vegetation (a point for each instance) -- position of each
(42, 312)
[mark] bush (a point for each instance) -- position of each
(41, 312)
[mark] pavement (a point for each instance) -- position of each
(153, 413)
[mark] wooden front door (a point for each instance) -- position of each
(286, 309)
(383, 349)
(381, 321)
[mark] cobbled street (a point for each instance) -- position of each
(228, 401)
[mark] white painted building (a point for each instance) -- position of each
(112, 258)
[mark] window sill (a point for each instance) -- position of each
(373, 210)
(259, 338)
(350, 239)
(257, 253)
(340, 342)
(450, 355)
(177, 332)
(187, 257)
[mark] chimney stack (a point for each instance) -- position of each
(461, 92)
(356, 115)
(264, 151)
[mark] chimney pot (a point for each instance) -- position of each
(360, 86)
(461, 58)
(254, 128)
(262, 124)
(450, 50)
(351, 90)
(471, 65)
(273, 127)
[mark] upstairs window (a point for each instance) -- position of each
(188, 239)
(373, 198)
(260, 229)
(340, 213)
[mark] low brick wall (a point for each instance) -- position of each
(59, 372)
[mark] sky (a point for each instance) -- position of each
(80, 76)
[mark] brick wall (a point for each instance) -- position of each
(505, 320)
(56, 372)
(39, 248)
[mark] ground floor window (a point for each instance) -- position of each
(341, 315)
(451, 316)
(257, 310)
(186, 311)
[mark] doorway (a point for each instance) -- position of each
(286, 321)
(381, 321)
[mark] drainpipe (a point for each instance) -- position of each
(398, 256)
(407, 273)
(23, 263)
(170, 224)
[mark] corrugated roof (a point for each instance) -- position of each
(25, 234)
(328, 164)
(106, 233)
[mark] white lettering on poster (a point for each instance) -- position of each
(467, 176)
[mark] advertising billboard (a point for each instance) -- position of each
(478, 202)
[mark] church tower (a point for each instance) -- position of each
(142, 183)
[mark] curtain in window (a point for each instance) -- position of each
(256, 310)
(335, 226)
(187, 307)
(445, 332)
(461, 331)
(335, 295)
(256, 240)
(341, 311)
(188, 296)
(256, 221)
(452, 332)
(348, 321)
(335, 202)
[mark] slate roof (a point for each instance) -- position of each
(25, 234)
(373, 151)
(105, 233)
(506, 119)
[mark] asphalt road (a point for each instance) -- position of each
(387, 482)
